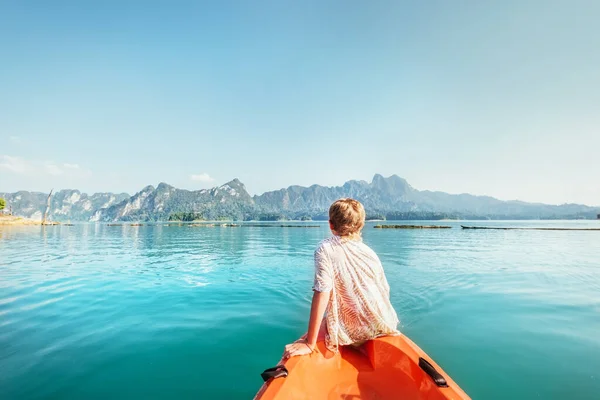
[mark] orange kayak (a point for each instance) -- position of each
(390, 367)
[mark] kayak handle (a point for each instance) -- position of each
(432, 372)
(275, 372)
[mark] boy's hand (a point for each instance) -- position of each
(298, 348)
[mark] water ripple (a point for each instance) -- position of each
(114, 312)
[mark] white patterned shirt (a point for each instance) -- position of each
(359, 307)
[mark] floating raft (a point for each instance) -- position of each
(280, 226)
(412, 227)
(135, 224)
(529, 229)
(252, 225)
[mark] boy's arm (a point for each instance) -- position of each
(307, 345)
(317, 309)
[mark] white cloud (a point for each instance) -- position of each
(15, 139)
(22, 166)
(71, 166)
(203, 177)
(16, 165)
(53, 169)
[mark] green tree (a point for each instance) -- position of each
(2, 203)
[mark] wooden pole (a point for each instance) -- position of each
(47, 208)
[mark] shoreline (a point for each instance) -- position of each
(10, 220)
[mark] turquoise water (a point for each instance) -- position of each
(154, 312)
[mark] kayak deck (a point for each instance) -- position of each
(385, 368)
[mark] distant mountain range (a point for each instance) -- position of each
(384, 198)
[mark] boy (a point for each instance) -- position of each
(349, 287)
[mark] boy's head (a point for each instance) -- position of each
(346, 217)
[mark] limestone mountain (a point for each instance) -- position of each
(64, 205)
(230, 200)
(391, 194)
(394, 198)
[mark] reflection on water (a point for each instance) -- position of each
(162, 311)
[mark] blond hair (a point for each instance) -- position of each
(347, 217)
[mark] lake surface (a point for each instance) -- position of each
(156, 312)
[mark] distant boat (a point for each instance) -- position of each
(529, 229)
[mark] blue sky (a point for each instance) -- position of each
(499, 99)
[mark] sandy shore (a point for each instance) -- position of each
(12, 220)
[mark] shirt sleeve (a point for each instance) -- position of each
(323, 272)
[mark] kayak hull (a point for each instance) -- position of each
(390, 367)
